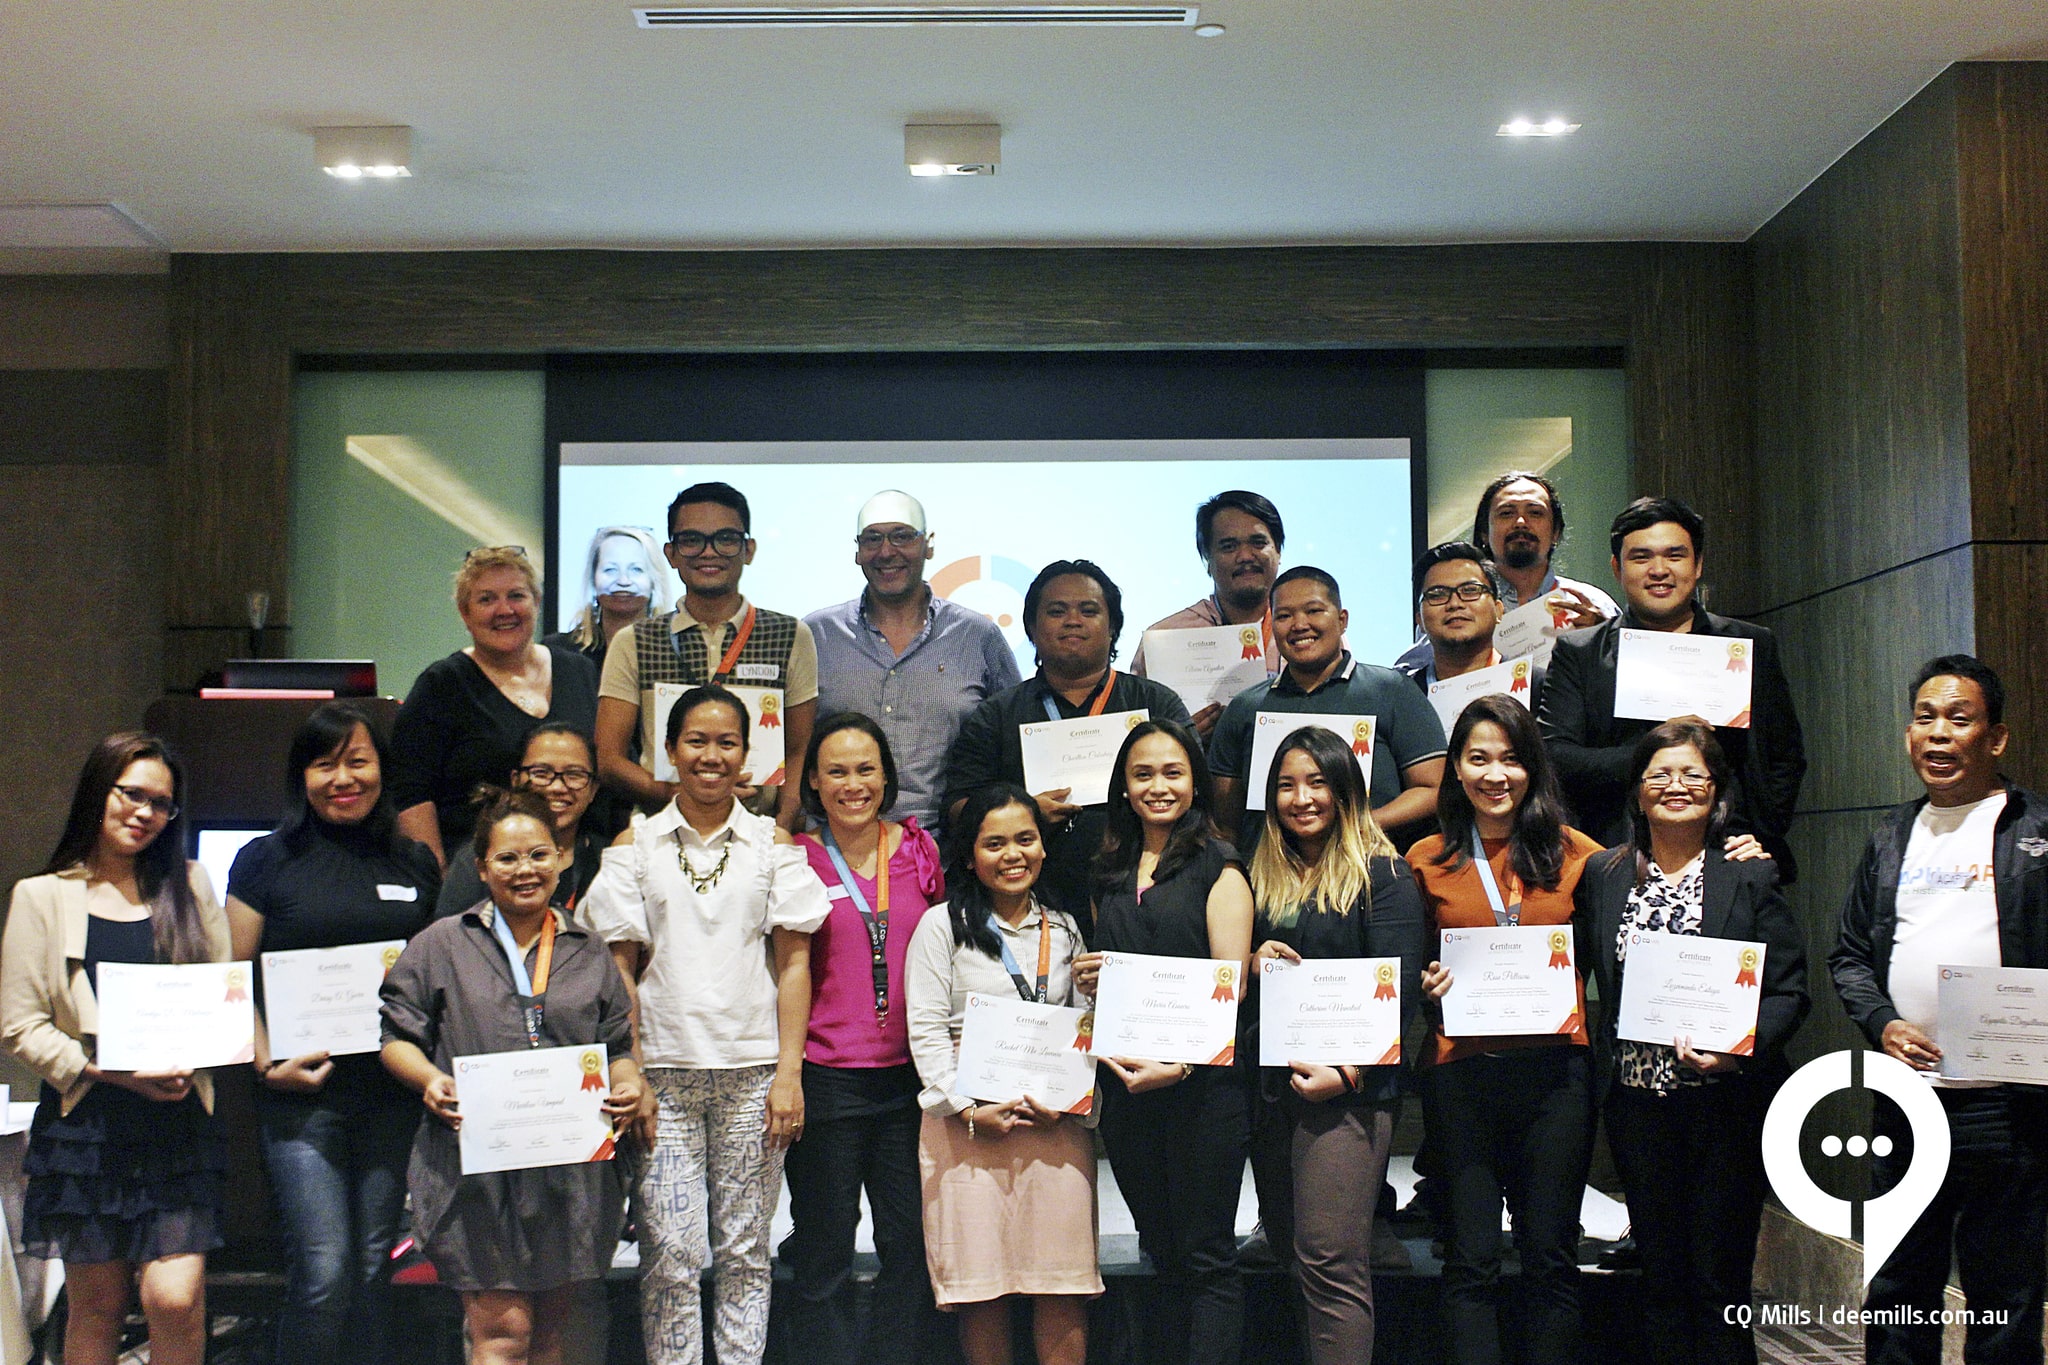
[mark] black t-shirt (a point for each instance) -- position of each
(1172, 918)
(339, 886)
(457, 729)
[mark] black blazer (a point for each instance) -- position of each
(1742, 901)
(1591, 748)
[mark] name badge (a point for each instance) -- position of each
(387, 892)
(757, 672)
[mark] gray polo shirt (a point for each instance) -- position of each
(1405, 728)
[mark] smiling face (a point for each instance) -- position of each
(138, 808)
(1243, 560)
(1658, 571)
(1308, 625)
(500, 610)
(1677, 792)
(519, 865)
(709, 753)
(560, 770)
(1007, 850)
(1304, 802)
(1520, 527)
(623, 580)
(1159, 781)
(342, 786)
(1071, 630)
(1953, 744)
(849, 780)
(1458, 621)
(714, 548)
(1491, 774)
(893, 571)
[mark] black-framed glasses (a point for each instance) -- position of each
(139, 800)
(1465, 592)
(727, 542)
(543, 774)
(902, 538)
(519, 550)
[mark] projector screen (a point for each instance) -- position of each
(998, 510)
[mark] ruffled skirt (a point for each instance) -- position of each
(122, 1178)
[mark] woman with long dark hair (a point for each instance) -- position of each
(1009, 1188)
(860, 1086)
(126, 1168)
(1167, 884)
(336, 1130)
(1509, 1118)
(1686, 1125)
(1327, 884)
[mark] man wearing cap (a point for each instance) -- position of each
(914, 662)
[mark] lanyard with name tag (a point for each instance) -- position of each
(532, 1009)
(731, 657)
(1010, 964)
(1508, 914)
(876, 918)
(1052, 706)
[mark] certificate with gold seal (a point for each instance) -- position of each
(1334, 1011)
(1010, 1048)
(1167, 1009)
(1684, 986)
(1508, 981)
(175, 1018)
(1206, 664)
(325, 999)
(533, 1107)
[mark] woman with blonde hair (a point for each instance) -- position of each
(467, 717)
(1327, 883)
(624, 580)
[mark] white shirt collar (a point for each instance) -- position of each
(740, 823)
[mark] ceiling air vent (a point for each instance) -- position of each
(905, 16)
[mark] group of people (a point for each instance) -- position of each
(779, 972)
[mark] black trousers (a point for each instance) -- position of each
(1993, 1209)
(1692, 1166)
(1179, 1157)
(1514, 1126)
(875, 1148)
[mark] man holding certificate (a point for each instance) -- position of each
(1458, 605)
(1057, 733)
(1957, 879)
(1666, 658)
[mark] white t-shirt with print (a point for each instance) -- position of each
(1948, 905)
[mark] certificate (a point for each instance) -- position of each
(1684, 986)
(765, 720)
(533, 1107)
(1530, 632)
(1509, 678)
(1010, 1048)
(1992, 1024)
(1661, 674)
(325, 999)
(1509, 981)
(1206, 664)
(175, 1018)
(1270, 727)
(1167, 1009)
(1077, 754)
(1342, 1011)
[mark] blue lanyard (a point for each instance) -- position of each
(1010, 964)
(531, 1009)
(1052, 707)
(877, 924)
(1509, 915)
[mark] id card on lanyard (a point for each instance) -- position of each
(533, 1010)
(1506, 913)
(1010, 965)
(876, 918)
(1095, 708)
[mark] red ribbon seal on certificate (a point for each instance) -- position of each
(1248, 640)
(1226, 983)
(769, 720)
(1518, 677)
(1738, 656)
(593, 1078)
(1746, 975)
(1385, 976)
(1084, 1033)
(390, 958)
(237, 989)
(1558, 956)
(1361, 740)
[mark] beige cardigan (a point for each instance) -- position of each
(48, 1015)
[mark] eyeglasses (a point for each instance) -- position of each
(902, 538)
(541, 775)
(512, 862)
(1464, 592)
(138, 799)
(1691, 779)
(727, 542)
(519, 550)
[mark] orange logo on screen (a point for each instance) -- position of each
(993, 585)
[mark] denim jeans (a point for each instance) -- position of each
(337, 1171)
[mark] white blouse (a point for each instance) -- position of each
(938, 975)
(707, 996)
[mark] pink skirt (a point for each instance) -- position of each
(1008, 1215)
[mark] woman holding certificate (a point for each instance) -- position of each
(1685, 1121)
(1009, 1186)
(860, 1087)
(512, 976)
(336, 1127)
(125, 1168)
(1167, 885)
(709, 911)
(1510, 1116)
(1328, 884)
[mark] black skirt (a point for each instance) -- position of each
(123, 1178)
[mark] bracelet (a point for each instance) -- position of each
(968, 1113)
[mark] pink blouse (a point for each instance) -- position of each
(844, 1030)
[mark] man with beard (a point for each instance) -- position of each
(1239, 536)
(910, 660)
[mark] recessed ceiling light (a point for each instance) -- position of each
(380, 153)
(952, 148)
(1550, 127)
(1209, 30)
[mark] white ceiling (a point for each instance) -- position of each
(546, 123)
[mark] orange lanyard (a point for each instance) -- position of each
(739, 642)
(1052, 706)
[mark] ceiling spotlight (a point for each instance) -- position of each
(383, 153)
(1522, 127)
(1209, 30)
(952, 148)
